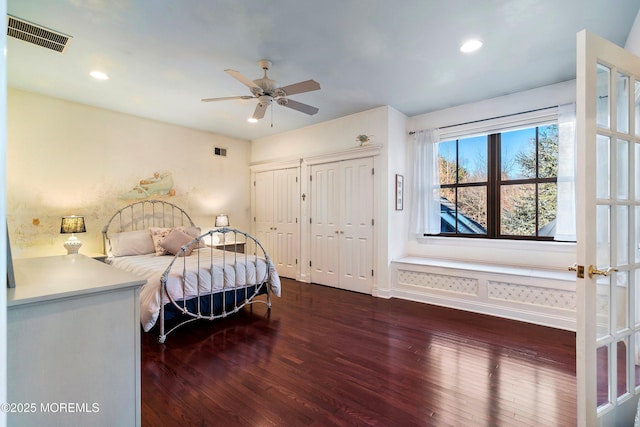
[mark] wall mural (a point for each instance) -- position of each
(159, 184)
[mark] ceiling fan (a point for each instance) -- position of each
(265, 91)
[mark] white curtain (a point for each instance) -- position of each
(425, 208)
(566, 207)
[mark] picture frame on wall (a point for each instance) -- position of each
(399, 192)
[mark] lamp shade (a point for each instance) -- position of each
(72, 224)
(222, 220)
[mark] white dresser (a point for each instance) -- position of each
(73, 343)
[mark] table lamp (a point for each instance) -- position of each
(71, 225)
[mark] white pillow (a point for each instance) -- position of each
(131, 243)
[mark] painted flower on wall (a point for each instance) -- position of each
(159, 184)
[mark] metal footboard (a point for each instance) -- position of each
(213, 299)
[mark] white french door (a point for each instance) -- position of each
(608, 233)
(342, 224)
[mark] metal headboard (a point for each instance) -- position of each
(144, 214)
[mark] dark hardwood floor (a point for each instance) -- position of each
(327, 357)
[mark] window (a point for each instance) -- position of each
(502, 185)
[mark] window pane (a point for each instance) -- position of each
(602, 96)
(472, 210)
(447, 162)
(518, 154)
(472, 159)
(518, 210)
(547, 202)
(548, 151)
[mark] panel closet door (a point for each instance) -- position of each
(285, 221)
(277, 205)
(342, 224)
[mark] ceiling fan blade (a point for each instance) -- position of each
(299, 106)
(260, 110)
(301, 87)
(242, 79)
(226, 98)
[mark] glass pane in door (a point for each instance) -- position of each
(623, 103)
(621, 359)
(622, 227)
(622, 170)
(603, 167)
(637, 107)
(603, 114)
(636, 359)
(602, 381)
(621, 283)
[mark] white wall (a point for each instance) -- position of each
(531, 254)
(67, 158)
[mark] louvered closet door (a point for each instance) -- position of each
(285, 221)
(342, 224)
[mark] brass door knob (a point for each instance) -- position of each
(593, 271)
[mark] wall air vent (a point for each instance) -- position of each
(217, 151)
(35, 34)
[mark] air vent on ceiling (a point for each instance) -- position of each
(217, 151)
(32, 33)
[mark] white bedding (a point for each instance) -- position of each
(246, 272)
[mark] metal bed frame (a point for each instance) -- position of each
(157, 213)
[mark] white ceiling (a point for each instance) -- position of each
(163, 56)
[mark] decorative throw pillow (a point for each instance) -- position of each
(157, 234)
(175, 240)
(193, 232)
(131, 243)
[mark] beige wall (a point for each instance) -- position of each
(65, 158)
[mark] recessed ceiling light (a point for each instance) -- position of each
(99, 75)
(471, 46)
(252, 120)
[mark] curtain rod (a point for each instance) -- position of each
(491, 118)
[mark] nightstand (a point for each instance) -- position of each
(230, 246)
(97, 256)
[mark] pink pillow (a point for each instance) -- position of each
(175, 240)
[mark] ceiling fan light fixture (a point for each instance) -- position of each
(470, 45)
(252, 120)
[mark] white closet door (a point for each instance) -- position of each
(264, 210)
(356, 225)
(285, 221)
(342, 224)
(325, 219)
